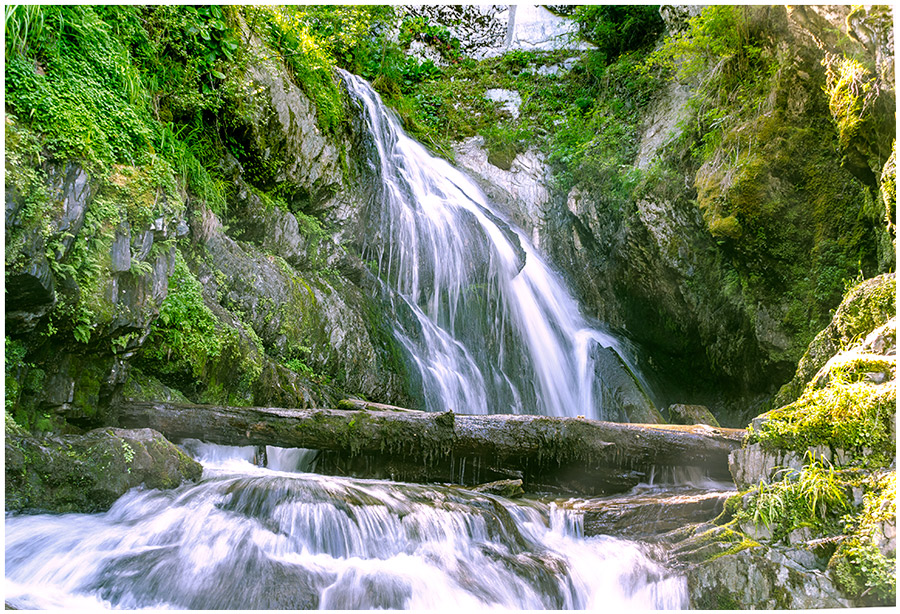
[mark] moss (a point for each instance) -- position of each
(848, 416)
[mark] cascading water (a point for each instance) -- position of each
(252, 538)
(490, 327)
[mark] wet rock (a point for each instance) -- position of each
(87, 473)
(521, 190)
(504, 488)
(648, 516)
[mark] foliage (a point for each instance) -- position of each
(311, 65)
(616, 29)
(417, 28)
(186, 335)
(859, 565)
(812, 496)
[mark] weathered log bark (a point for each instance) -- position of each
(546, 452)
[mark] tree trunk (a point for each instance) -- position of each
(548, 453)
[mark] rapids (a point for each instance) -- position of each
(247, 537)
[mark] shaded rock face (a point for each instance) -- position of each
(87, 473)
(282, 287)
(107, 295)
(691, 414)
(713, 307)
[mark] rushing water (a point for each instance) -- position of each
(490, 327)
(252, 538)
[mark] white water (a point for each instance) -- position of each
(490, 327)
(253, 538)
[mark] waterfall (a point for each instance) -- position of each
(489, 326)
(252, 538)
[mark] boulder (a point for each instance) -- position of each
(87, 473)
(867, 306)
(760, 578)
(691, 414)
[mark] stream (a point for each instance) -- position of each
(248, 537)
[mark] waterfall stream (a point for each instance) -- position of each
(490, 327)
(247, 537)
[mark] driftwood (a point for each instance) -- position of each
(547, 453)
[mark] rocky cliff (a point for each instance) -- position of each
(124, 279)
(754, 197)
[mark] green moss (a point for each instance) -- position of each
(851, 416)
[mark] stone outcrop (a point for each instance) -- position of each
(87, 473)
(690, 414)
(487, 31)
(757, 577)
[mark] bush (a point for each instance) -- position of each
(615, 29)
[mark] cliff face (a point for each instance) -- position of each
(761, 184)
(716, 227)
(123, 281)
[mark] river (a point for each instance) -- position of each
(247, 537)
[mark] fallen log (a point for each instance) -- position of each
(606, 456)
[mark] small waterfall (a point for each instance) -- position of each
(249, 538)
(489, 326)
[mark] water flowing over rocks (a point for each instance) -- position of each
(321, 280)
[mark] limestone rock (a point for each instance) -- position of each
(487, 31)
(753, 463)
(87, 473)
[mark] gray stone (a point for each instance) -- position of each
(509, 100)
(753, 463)
(120, 252)
(760, 578)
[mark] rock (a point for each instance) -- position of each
(645, 517)
(487, 31)
(691, 414)
(753, 463)
(504, 488)
(87, 473)
(509, 100)
(867, 306)
(760, 578)
(677, 16)
(521, 190)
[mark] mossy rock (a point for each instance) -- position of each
(867, 306)
(87, 473)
